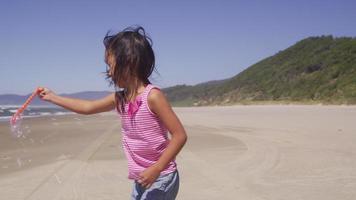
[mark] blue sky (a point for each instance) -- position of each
(58, 44)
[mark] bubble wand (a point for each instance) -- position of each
(19, 111)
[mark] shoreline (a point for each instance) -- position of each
(7, 118)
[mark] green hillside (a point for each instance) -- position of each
(314, 70)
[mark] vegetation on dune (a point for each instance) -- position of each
(314, 70)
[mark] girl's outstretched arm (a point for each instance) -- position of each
(161, 107)
(80, 106)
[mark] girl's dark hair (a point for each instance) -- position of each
(134, 60)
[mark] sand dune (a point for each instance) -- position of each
(240, 152)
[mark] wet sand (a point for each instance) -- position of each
(239, 152)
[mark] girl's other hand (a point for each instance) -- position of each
(46, 94)
(149, 176)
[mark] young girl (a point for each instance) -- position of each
(146, 115)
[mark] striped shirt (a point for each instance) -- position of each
(144, 137)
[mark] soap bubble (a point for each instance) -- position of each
(16, 128)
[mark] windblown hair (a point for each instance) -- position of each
(134, 61)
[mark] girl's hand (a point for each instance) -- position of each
(46, 94)
(149, 176)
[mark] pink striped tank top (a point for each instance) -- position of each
(144, 136)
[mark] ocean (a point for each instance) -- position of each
(6, 111)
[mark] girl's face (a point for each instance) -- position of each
(111, 64)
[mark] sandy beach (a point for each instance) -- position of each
(240, 152)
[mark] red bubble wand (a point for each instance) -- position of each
(19, 111)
